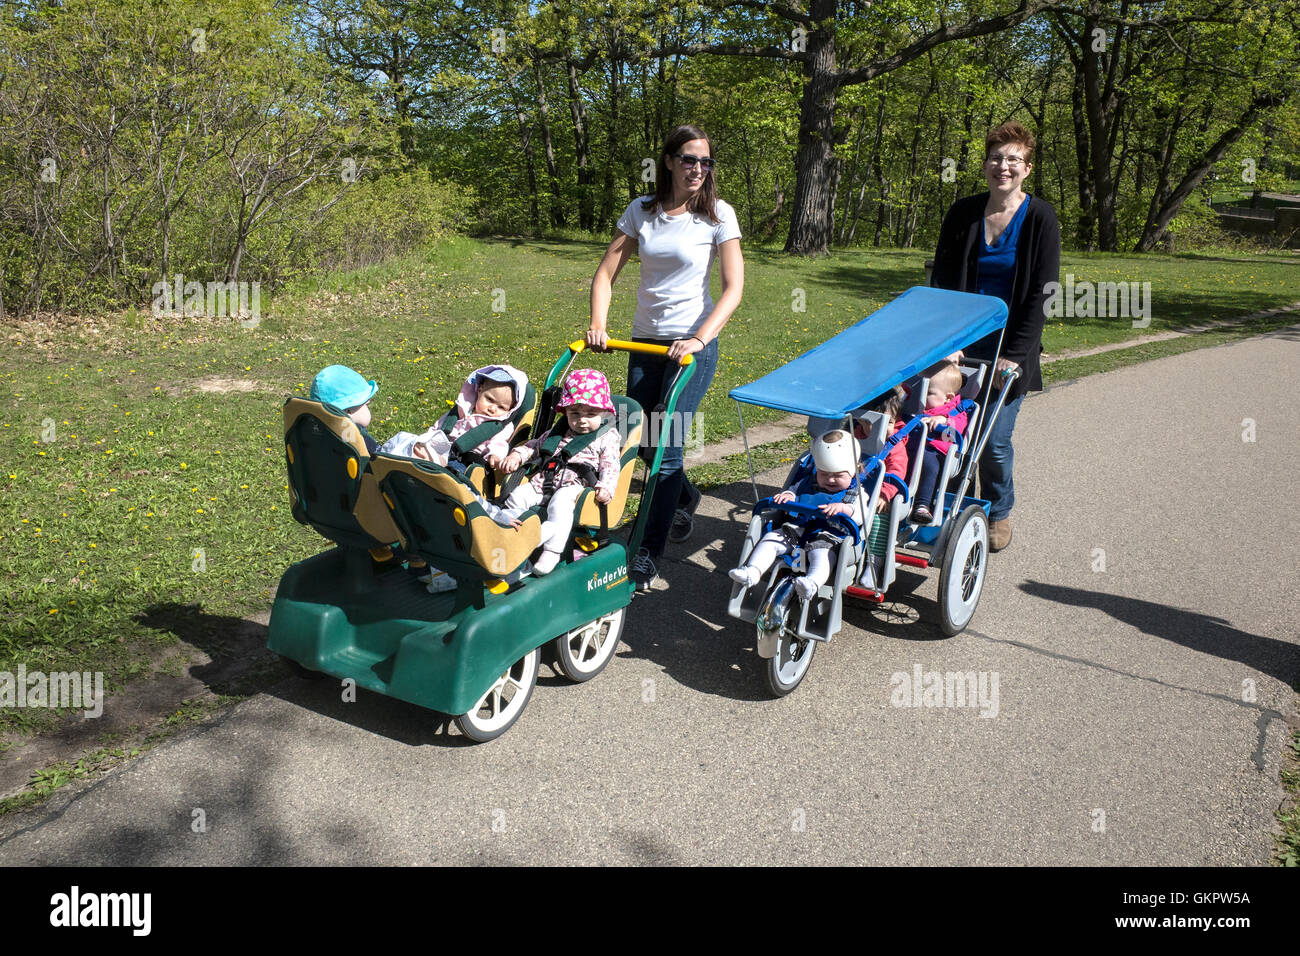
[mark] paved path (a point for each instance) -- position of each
(1142, 628)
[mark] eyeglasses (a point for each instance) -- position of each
(686, 159)
(1013, 162)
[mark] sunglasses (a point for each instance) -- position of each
(686, 159)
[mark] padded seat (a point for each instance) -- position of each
(443, 522)
(589, 512)
(330, 482)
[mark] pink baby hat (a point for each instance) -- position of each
(586, 386)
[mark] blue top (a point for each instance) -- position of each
(896, 342)
(997, 262)
(808, 492)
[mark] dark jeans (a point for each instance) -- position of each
(995, 464)
(931, 469)
(649, 377)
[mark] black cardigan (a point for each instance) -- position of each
(1038, 262)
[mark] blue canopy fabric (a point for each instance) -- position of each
(893, 344)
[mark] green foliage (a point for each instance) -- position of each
(387, 217)
(169, 136)
(251, 139)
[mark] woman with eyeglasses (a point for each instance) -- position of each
(1006, 243)
(677, 232)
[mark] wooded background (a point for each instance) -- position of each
(257, 140)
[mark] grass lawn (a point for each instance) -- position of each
(145, 496)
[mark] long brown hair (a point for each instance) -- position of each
(704, 202)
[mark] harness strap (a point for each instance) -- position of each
(552, 459)
(475, 437)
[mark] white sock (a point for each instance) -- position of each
(546, 563)
(747, 575)
(806, 587)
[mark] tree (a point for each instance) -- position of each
(837, 43)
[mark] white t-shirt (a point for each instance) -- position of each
(677, 254)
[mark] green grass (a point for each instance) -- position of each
(1072, 368)
(102, 518)
(50, 778)
(1288, 852)
(734, 468)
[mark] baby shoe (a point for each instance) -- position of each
(747, 575)
(440, 581)
(922, 515)
(546, 563)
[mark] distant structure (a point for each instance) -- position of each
(1273, 216)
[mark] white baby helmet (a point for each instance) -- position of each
(836, 451)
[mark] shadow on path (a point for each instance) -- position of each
(1190, 629)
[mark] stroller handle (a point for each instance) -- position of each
(622, 345)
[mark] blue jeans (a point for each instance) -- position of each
(995, 464)
(649, 377)
(931, 469)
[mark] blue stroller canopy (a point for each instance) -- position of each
(893, 344)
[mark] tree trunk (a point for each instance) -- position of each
(548, 146)
(581, 148)
(1084, 233)
(1099, 155)
(613, 142)
(1157, 228)
(810, 221)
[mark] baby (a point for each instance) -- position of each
(946, 425)
(896, 461)
(585, 399)
(344, 388)
(832, 488)
(490, 394)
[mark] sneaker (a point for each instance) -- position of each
(684, 520)
(643, 570)
(922, 515)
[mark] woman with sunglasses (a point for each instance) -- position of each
(677, 232)
(1006, 243)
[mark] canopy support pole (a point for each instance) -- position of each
(748, 461)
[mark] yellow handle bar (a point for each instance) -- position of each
(620, 345)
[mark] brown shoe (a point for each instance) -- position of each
(999, 534)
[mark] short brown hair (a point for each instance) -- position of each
(1010, 132)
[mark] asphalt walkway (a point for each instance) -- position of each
(1141, 630)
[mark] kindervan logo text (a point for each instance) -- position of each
(608, 579)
